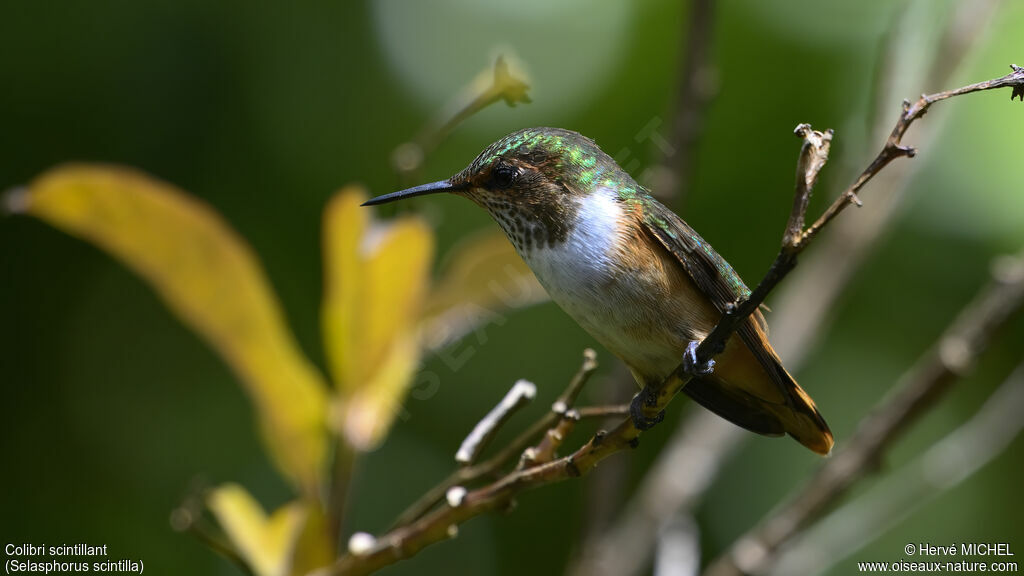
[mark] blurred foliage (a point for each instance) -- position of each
(211, 280)
(262, 110)
(376, 276)
(374, 282)
(271, 545)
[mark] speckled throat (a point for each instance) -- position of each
(563, 167)
(531, 226)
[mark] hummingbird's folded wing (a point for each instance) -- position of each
(721, 284)
(709, 271)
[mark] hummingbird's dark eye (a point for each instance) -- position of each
(502, 176)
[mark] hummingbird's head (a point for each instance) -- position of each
(530, 181)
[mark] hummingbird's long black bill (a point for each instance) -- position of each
(422, 190)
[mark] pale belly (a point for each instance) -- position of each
(643, 314)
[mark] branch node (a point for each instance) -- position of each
(361, 543)
(455, 496)
(571, 468)
(14, 201)
(599, 437)
(634, 442)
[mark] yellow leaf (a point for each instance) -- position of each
(210, 278)
(312, 548)
(281, 545)
(483, 277)
(375, 278)
(510, 84)
(345, 223)
(369, 412)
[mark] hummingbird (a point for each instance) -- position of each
(633, 274)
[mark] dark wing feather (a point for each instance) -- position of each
(717, 279)
(709, 271)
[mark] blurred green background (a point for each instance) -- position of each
(112, 410)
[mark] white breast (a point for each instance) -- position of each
(606, 299)
(584, 259)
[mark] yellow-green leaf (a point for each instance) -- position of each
(287, 543)
(483, 277)
(312, 548)
(375, 277)
(209, 277)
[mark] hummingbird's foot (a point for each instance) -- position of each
(690, 363)
(637, 409)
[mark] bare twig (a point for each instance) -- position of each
(813, 157)
(917, 390)
(545, 451)
(441, 523)
(518, 396)
(894, 148)
(344, 461)
(945, 465)
(603, 411)
(697, 86)
(503, 85)
(491, 466)
(568, 397)
(803, 308)
(188, 517)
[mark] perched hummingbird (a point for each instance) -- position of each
(631, 273)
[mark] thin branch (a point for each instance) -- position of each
(804, 307)
(441, 523)
(950, 461)
(697, 86)
(894, 148)
(342, 467)
(568, 397)
(513, 449)
(518, 396)
(188, 517)
(603, 411)
(503, 84)
(544, 451)
(953, 355)
(813, 157)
